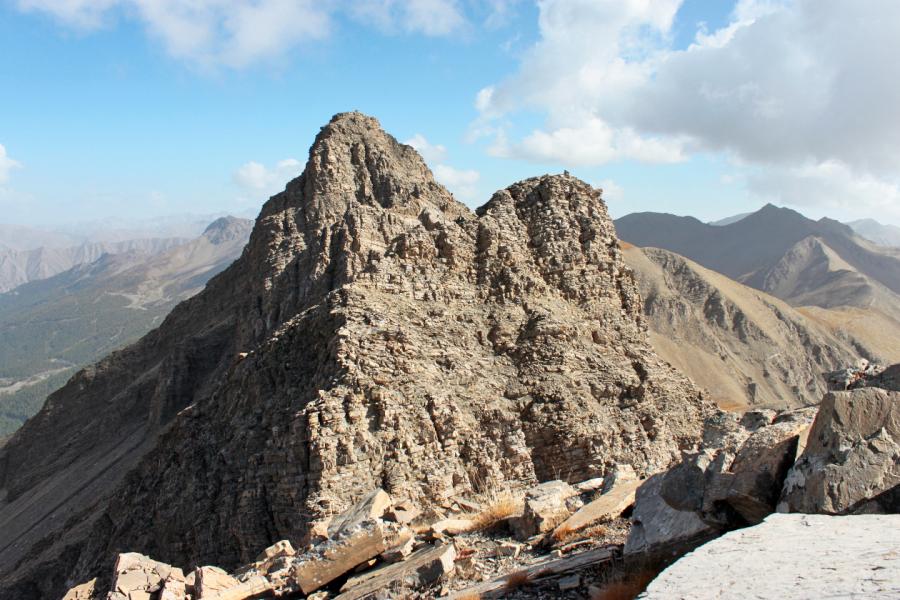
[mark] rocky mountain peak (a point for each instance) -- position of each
(374, 334)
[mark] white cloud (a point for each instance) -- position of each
(430, 152)
(7, 164)
(431, 17)
(784, 85)
(463, 183)
(256, 178)
(830, 184)
(612, 191)
(236, 33)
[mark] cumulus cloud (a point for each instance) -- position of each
(7, 164)
(430, 152)
(256, 178)
(236, 33)
(463, 183)
(806, 88)
(431, 17)
(830, 184)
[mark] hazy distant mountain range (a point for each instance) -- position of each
(777, 250)
(884, 235)
(51, 326)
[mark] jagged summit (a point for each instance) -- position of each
(374, 333)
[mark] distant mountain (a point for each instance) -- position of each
(48, 328)
(872, 230)
(778, 250)
(22, 266)
(17, 237)
(730, 220)
(745, 347)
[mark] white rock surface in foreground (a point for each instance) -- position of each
(791, 556)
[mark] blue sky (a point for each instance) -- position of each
(138, 108)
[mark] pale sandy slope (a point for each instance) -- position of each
(745, 347)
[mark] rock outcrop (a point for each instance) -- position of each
(374, 334)
(853, 453)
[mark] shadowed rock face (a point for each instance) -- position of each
(394, 339)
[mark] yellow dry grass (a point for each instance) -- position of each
(495, 509)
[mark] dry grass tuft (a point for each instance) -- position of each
(469, 596)
(499, 507)
(516, 580)
(627, 589)
(564, 535)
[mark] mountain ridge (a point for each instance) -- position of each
(374, 333)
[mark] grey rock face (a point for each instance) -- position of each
(375, 333)
(852, 456)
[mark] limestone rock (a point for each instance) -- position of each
(791, 557)
(252, 588)
(394, 339)
(852, 455)
(545, 508)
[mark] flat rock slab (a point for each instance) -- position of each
(423, 567)
(606, 507)
(548, 568)
(791, 556)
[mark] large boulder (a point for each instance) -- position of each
(736, 477)
(658, 527)
(852, 456)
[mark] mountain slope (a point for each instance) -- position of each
(744, 346)
(18, 267)
(374, 333)
(877, 233)
(779, 251)
(49, 328)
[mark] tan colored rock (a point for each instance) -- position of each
(621, 474)
(422, 568)
(137, 576)
(251, 588)
(402, 549)
(545, 508)
(282, 548)
(85, 591)
(371, 506)
(403, 513)
(333, 558)
(174, 587)
(591, 485)
(606, 507)
(210, 581)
